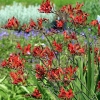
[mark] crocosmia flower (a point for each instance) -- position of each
(46, 7)
(36, 94)
(66, 95)
(17, 77)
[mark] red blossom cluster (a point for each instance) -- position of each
(17, 77)
(76, 49)
(46, 7)
(59, 23)
(40, 22)
(14, 61)
(12, 23)
(40, 71)
(45, 53)
(57, 46)
(69, 73)
(36, 94)
(70, 36)
(66, 95)
(55, 74)
(25, 50)
(98, 86)
(78, 17)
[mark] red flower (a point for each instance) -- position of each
(78, 6)
(69, 72)
(29, 29)
(58, 47)
(99, 29)
(17, 77)
(14, 61)
(48, 63)
(40, 71)
(4, 63)
(70, 9)
(63, 8)
(73, 36)
(46, 7)
(71, 48)
(55, 74)
(26, 28)
(27, 49)
(36, 93)
(32, 23)
(75, 49)
(12, 23)
(37, 50)
(66, 35)
(94, 22)
(98, 86)
(98, 58)
(81, 51)
(69, 94)
(60, 23)
(47, 53)
(40, 22)
(19, 46)
(65, 94)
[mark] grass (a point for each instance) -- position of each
(59, 3)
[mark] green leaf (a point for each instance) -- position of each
(23, 87)
(1, 80)
(4, 88)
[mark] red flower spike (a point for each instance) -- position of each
(17, 77)
(99, 29)
(29, 29)
(73, 36)
(58, 46)
(40, 71)
(65, 94)
(69, 94)
(98, 86)
(63, 8)
(81, 51)
(60, 23)
(94, 22)
(32, 23)
(37, 50)
(69, 72)
(19, 46)
(66, 36)
(4, 63)
(48, 64)
(98, 58)
(12, 23)
(36, 94)
(15, 62)
(40, 22)
(27, 50)
(78, 6)
(47, 53)
(71, 48)
(46, 7)
(55, 74)
(70, 9)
